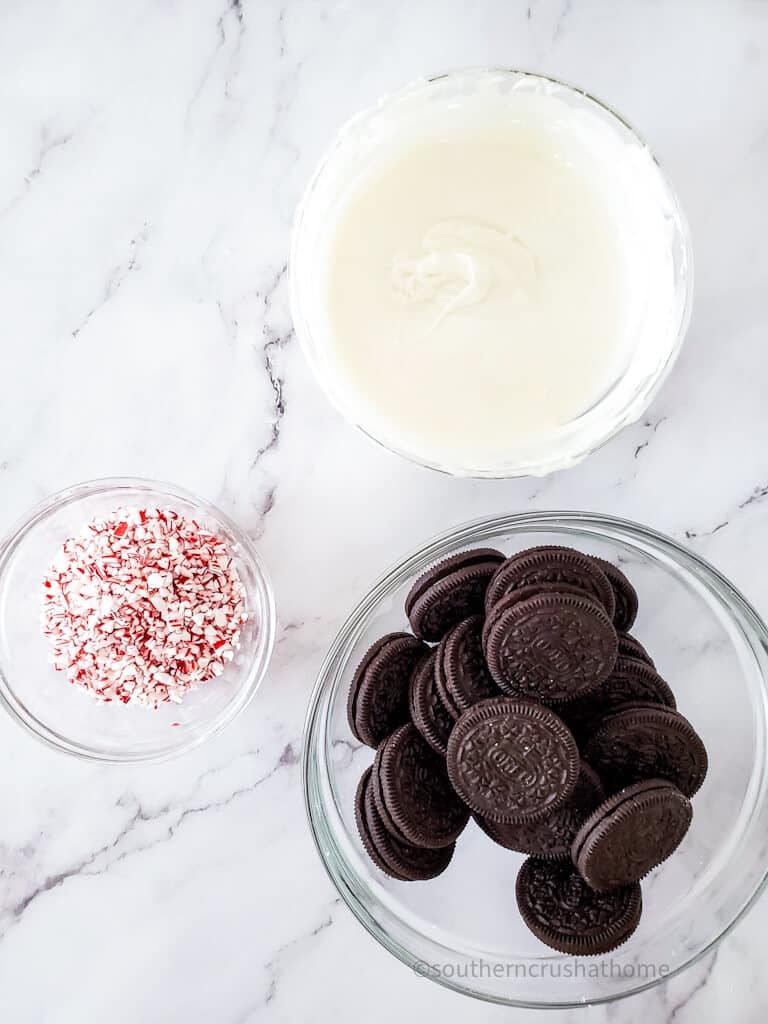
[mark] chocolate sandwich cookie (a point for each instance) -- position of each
(630, 834)
(631, 682)
(413, 793)
(402, 861)
(496, 590)
(647, 742)
(428, 712)
(463, 665)
(630, 647)
(554, 835)
(440, 680)
(568, 915)
(624, 594)
(635, 680)
(378, 697)
(450, 591)
(551, 648)
(552, 565)
(362, 821)
(523, 594)
(378, 799)
(512, 761)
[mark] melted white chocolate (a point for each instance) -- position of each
(476, 277)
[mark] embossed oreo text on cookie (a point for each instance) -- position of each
(551, 648)
(512, 761)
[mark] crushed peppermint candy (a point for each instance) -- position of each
(142, 606)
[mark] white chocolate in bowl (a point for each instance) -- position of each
(493, 274)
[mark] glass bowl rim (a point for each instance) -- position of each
(328, 678)
(645, 393)
(262, 653)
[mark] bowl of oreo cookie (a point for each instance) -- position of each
(535, 759)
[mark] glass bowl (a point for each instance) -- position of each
(463, 929)
(657, 247)
(66, 717)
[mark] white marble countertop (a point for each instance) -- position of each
(151, 160)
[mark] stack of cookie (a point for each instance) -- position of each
(522, 699)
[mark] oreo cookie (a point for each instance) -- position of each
(647, 742)
(399, 860)
(450, 591)
(552, 837)
(552, 565)
(363, 828)
(378, 798)
(440, 681)
(551, 648)
(624, 594)
(463, 665)
(497, 589)
(512, 761)
(428, 712)
(630, 834)
(631, 682)
(514, 597)
(630, 647)
(419, 804)
(568, 915)
(378, 696)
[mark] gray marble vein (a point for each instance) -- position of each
(49, 143)
(117, 276)
(170, 817)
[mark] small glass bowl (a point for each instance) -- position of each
(463, 929)
(65, 716)
(657, 326)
